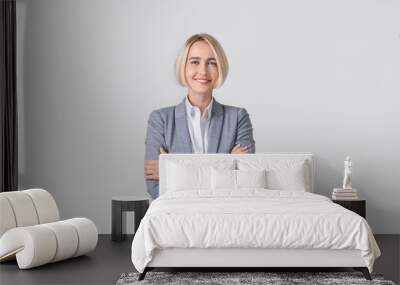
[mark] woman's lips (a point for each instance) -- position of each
(202, 81)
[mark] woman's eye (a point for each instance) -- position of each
(194, 62)
(213, 63)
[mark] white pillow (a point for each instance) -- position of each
(251, 178)
(237, 179)
(282, 174)
(189, 174)
(223, 179)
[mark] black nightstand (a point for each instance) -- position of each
(357, 206)
(138, 204)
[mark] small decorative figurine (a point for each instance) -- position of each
(347, 173)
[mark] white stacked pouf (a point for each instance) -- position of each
(32, 233)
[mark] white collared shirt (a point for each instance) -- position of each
(198, 125)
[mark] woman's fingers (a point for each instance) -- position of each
(151, 169)
(152, 176)
(151, 164)
(235, 148)
(238, 149)
(243, 150)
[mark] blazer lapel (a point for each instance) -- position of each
(181, 127)
(215, 130)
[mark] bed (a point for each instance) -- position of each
(251, 210)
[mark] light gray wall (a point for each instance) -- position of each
(319, 76)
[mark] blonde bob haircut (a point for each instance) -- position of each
(222, 61)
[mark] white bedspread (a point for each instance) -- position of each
(250, 218)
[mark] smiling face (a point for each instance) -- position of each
(201, 69)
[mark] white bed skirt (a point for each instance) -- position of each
(235, 257)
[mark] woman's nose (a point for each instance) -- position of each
(202, 68)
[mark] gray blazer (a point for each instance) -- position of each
(168, 128)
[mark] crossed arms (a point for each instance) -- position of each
(155, 141)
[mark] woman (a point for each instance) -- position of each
(199, 124)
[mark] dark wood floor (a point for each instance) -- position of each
(110, 260)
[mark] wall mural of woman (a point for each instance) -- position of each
(199, 124)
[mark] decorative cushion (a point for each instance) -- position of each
(251, 178)
(225, 179)
(282, 174)
(189, 174)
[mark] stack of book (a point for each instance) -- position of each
(344, 194)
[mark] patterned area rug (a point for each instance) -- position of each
(229, 278)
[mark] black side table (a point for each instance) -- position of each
(138, 204)
(357, 206)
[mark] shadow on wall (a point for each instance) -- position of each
(325, 174)
(31, 118)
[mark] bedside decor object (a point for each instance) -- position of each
(344, 194)
(137, 204)
(347, 192)
(31, 231)
(347, 173)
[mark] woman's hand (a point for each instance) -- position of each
(151, 170)
(238, 149)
